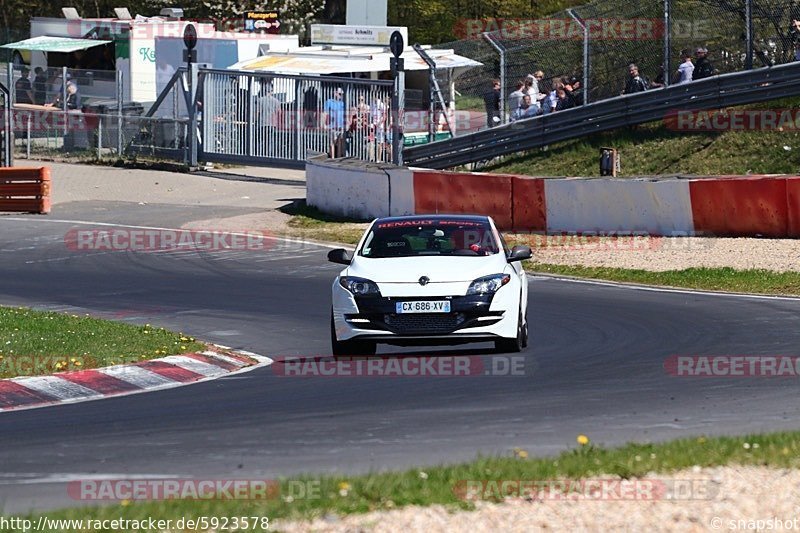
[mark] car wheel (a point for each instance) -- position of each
(514, 345)
(354, 347)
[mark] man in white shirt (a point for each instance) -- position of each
(685, 70)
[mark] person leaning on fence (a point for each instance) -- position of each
(685, 69)
(702, 66)
(334, 122)
(492, 101)
(635, 83)
(73, 101)
(526, 109)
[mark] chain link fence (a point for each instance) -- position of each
(620, 33)
(71, 113)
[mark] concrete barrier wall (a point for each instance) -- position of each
(724, 205)
(740, 206)
(654, 207)
(464, 193)
(357, 190)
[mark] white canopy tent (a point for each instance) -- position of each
(349, 59)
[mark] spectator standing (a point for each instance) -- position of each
(334, 122)
(267, 112)
(794, 35)
(40, 86)
(378, 125)
(515, 98)
(702, 66)
(685, 70)
(310, 111)
(537, 90)
(492, 101)
(358, 128)
(635, 83)
(23, 87)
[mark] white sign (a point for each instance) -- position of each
(355, 35)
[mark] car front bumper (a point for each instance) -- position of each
(471, 318)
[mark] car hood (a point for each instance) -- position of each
(439, 269)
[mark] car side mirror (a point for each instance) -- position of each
(340, 255)
(520, 253)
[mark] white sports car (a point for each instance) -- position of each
(430, 279)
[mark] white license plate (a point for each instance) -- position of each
(423, 307)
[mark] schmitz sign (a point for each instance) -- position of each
(355, 35)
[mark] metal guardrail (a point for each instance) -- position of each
(6, 133)
(717, 92)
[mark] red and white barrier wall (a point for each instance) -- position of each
(768, 206)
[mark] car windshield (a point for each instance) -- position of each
(420, 237)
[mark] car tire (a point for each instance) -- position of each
(516, 344)
(354, 347)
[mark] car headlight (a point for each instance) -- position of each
(359, 286)
(488, 284)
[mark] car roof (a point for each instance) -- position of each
(466, 218)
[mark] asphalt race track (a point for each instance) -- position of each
(595, 366)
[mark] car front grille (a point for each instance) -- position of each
(424, 323)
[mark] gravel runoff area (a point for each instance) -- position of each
(696, 499)
(668, 253)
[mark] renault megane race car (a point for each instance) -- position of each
(430, 279)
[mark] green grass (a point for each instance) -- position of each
(36, 343)
(653, 149)
(310, 223)
(712, 279)
(428, 486)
